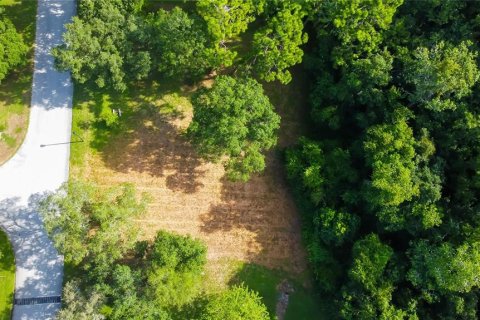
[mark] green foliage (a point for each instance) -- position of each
(358, 24)
(7, 276)
(368, 76)
(442, 75)
(370, 258)
(228, 18)
(106, 114)
(99, 46)
(179, 43)
(237, 303)
(225, 20)
(13, 49)
(335, 227)
(323, 177)
(176, 268)
(235, 119)
(277, 46)
(445, 267)
(325, 267)
(382, 72)
(379, 161)
(368, 295)
(78, 305)
(90, 9)
(389, 149)
(92, 227)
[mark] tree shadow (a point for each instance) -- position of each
(262, 207)
(39, 267)
(146, 139)
(155, 147)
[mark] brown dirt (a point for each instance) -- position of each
(253, 222)
(16, 128)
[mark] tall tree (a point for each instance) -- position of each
(390, 151)
(176, 265)
(358, 25)
(445, 267)
(78, 306)
(226, 19)
(13, 49)
(442, 75)
(236, 303)
(90, 227)
(235, 119)
(179, 43)
(276, 46)
(106, 46)
(89, 9)
(368, 295)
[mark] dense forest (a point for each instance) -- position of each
(387, 178)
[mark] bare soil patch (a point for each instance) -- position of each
(253, 222)
(12, 134)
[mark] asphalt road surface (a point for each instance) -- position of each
(40, 166)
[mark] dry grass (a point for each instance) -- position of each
(253, 222)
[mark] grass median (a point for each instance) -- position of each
(7, 277)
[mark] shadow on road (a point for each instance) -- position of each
(39, 267)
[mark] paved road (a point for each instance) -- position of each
(41, 165)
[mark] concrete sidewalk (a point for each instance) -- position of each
(40, 165)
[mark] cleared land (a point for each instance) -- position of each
(254, 222)
(7, 277)
(15, 89)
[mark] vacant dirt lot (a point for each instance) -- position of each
(255, 221)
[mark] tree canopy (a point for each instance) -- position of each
(237, 303)
(116, 276)
(225, 20)
(442, 75)
(394, 235)
(176, 267)
(277, 45)
(12, 47)
(386, 176)
(234, 119)
(179, 43)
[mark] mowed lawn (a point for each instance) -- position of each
(255, 222)
(15, 89)
(7, 277)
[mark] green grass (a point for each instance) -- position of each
(9, 140)
(7, 277)
(304, 303)
(15, 89)
(92, 117)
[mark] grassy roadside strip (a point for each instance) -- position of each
(15, 89)
(7, 277)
